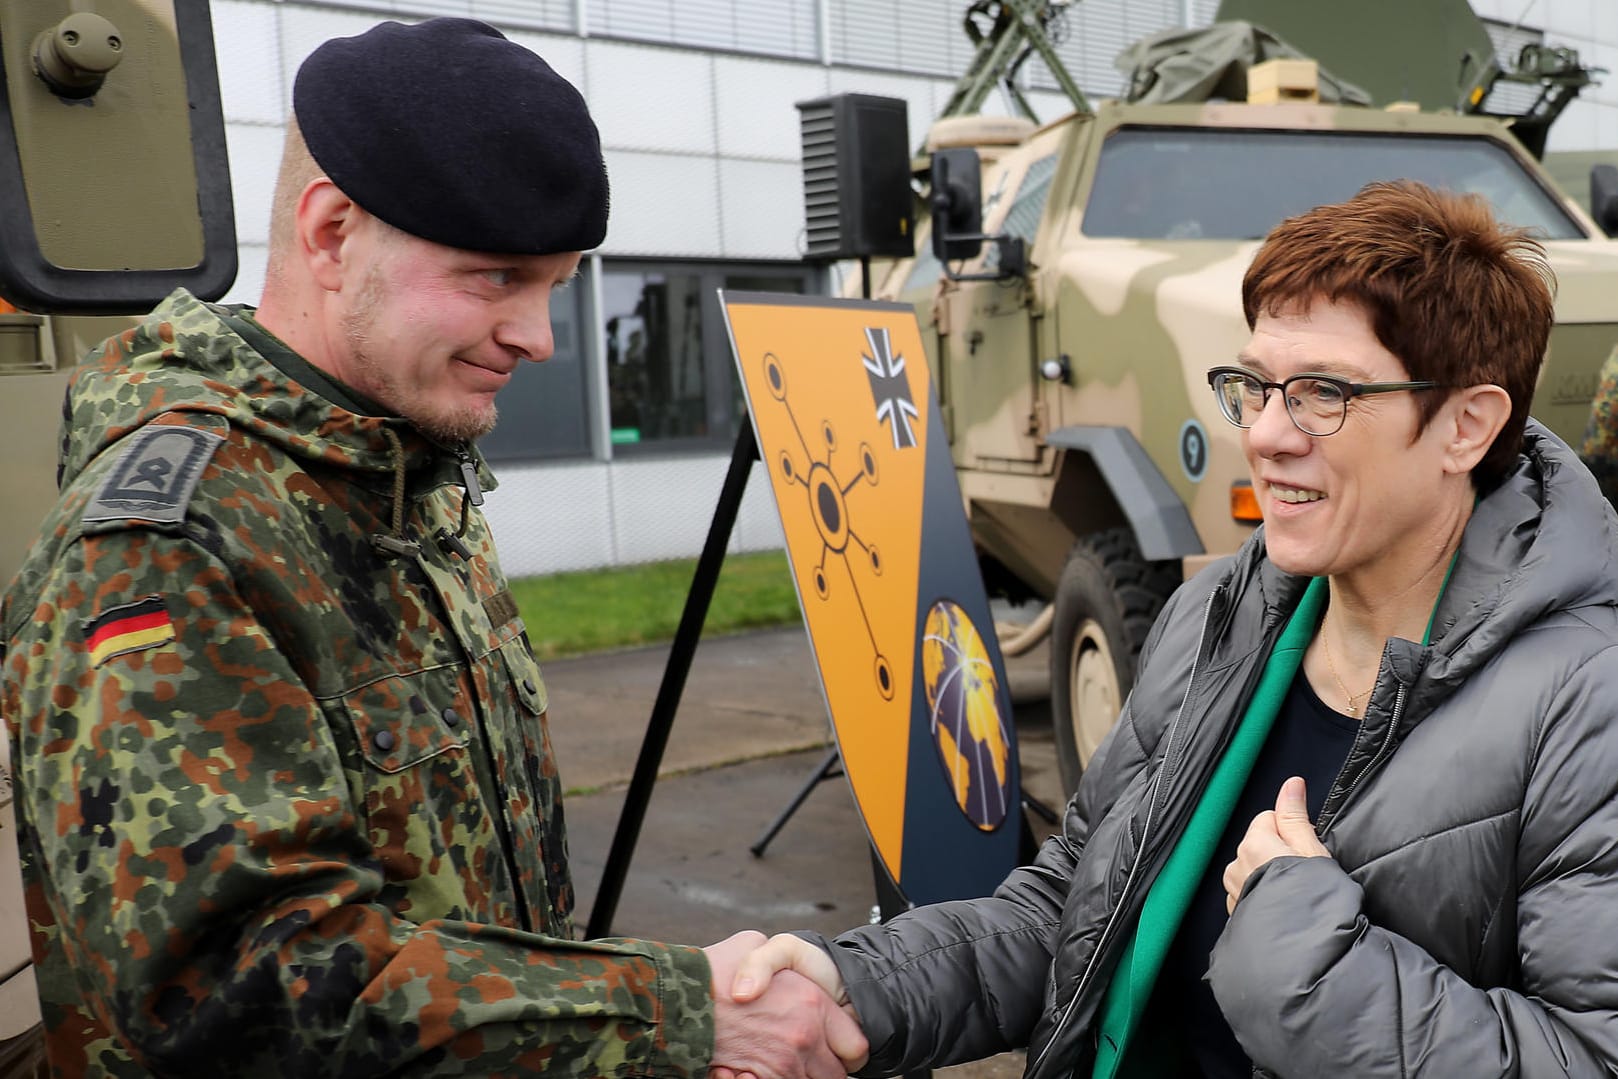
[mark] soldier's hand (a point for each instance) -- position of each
(786, 1026)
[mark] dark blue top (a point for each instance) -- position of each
(1310, 740)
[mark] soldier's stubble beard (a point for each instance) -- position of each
(384, 383)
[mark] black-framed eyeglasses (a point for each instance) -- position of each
(1318, 404)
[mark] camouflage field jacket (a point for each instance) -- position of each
(287, 796)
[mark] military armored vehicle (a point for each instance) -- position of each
(114, 190)
(1070, 350)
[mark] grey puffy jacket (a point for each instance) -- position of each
(1467, 923)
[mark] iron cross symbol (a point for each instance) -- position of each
(890, 388)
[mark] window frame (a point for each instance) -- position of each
(724, 406)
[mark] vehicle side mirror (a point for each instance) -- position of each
(1604, 197)
(957, 205)
(957, 211)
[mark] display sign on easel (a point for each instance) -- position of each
(850, 433)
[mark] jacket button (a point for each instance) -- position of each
(451, 716)
(529, 687)
(384, 740)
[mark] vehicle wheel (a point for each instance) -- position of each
(1106, 600)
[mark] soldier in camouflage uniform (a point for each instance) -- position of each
(1600, 449)
(288, 801)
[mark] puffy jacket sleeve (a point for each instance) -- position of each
(1311, 987)
(959, 981)
(210, 876)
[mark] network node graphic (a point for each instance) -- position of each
(827, 497)
(963, 702)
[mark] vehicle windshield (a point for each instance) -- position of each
(1222, 184)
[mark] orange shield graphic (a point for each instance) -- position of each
(841, 402)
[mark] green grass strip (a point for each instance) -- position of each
(595, 610)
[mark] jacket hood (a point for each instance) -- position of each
(1539, 544)
(186, 357)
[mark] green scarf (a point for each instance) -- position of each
(1170, 894)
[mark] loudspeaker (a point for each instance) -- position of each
(114, 186)
(856, 177)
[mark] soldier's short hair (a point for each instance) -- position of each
(1459, 298)
(449, 131)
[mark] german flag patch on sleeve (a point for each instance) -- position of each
(128, 628)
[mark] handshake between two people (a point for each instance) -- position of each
(780, 1011)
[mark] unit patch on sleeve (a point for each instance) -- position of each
(500, 607)
(128, 628)
(156, 472)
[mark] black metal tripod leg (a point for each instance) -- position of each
(821, 773)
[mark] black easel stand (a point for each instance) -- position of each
(828, 768)
(673, 685)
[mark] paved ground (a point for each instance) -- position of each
(751, 729)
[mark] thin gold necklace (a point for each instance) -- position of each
(1325, 639)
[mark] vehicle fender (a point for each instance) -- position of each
(1158, 516)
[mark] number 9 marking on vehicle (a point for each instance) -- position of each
(1193, 450)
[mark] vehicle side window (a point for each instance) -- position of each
(1027, 208)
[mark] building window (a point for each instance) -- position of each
(671, 381)
(545, 411)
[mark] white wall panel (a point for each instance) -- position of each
(1604, 25)
(762, 207)
(1049, 105)
(757, 101)
(304, 28)
(247, 46)
(551, 14)
(560, 517)
(1508, 10)
(758, 522)
(425, 9)
(662, 508)
(255, 153)
(564, 53)
(249, 283)
(1606, 128)
(1566, 16)
(551, 518)
(663, 204)
(1576, 129)
(646, 98)
(1602, 54)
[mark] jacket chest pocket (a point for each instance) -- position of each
(416, 783)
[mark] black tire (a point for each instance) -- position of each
(1106, 601)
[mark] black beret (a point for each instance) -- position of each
(450, 131)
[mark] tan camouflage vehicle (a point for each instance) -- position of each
(1070, 353)
(132, 87)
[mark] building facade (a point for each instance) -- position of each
(614, 450)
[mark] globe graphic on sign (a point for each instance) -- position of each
(963, 705)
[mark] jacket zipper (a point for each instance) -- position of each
(1383, 752)
(1089, 972)
(508, 847)
(1325, 822)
